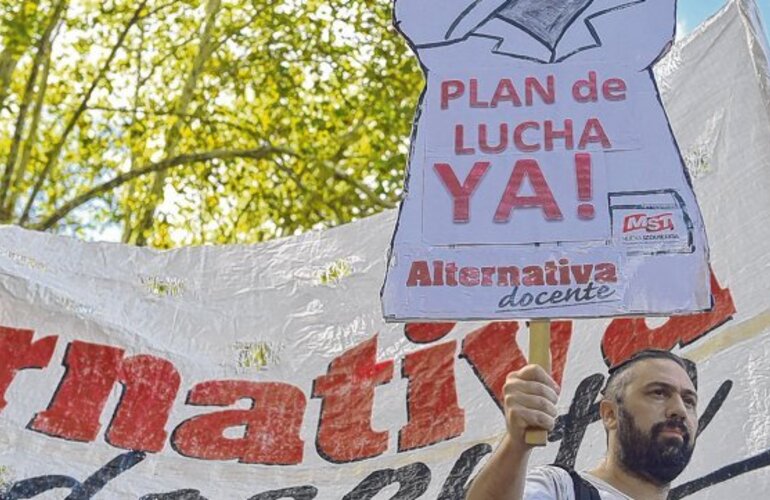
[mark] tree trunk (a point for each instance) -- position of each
(8, 61)
(131, 188)
(26, 152)
(161, 166)
(53, 155)
(42, 48)
(138, 235)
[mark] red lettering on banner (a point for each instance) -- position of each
(543, 196)
(150, 388)
(345, 431)
(434, 414)
(493, 353)
(74, 412)
(272, 424)
(461, 195)
(423, 333)
(561, 335)
(625, 337)
(18, 352)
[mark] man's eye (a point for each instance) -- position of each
(690, 402)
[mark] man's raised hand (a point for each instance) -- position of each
(530, 397)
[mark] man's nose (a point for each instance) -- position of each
(676, 407)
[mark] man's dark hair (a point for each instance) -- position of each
(617, 382)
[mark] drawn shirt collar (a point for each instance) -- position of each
(516, 41)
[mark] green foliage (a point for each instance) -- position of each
(335, 272)
(6, 476)
(282, 116)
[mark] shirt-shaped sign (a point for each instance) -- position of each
(544, 180)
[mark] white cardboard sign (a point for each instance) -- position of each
(544, 179)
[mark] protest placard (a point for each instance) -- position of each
(544, 180)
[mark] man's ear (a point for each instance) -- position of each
(608, 410)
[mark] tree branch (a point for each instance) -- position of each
(254, 134)
(14, 46)
(157, 64)
(57, 149)
(42, 48)
(29, 143)
(161, 166)
(363, 188)
(345, 142)
(173, 135)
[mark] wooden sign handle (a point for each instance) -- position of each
(539, 354)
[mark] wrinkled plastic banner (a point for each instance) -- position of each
(267, 372)
(544, 180)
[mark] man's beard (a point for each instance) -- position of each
(656, 459)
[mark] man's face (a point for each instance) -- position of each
(657, 421)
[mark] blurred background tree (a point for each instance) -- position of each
(177, 122)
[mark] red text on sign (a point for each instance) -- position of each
(648, 223)
(530, 137)
(505, 92)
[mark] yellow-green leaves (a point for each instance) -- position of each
(295, 116)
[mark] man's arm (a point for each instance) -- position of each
(530, 397)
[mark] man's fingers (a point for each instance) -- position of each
(521, 401)
(536, 419)
(518, 386)
(535, 373)
(530, 397)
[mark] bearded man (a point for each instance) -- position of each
(649, 412)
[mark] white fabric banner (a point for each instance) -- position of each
(267, 372)
(544, 180)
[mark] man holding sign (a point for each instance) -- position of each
(544, 180)
(649, 414)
